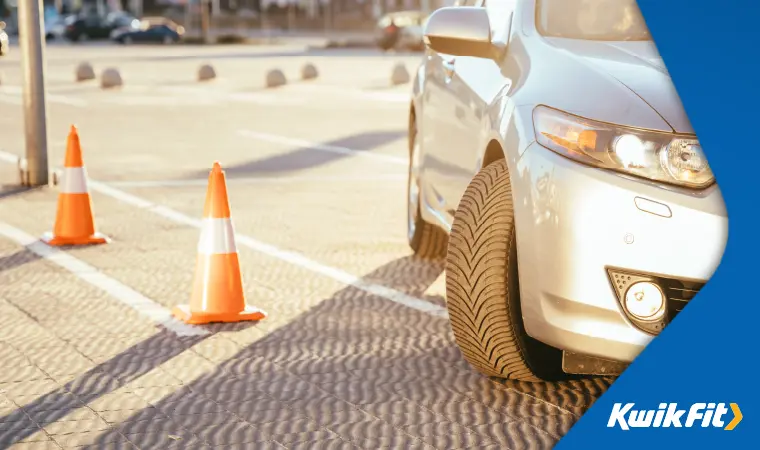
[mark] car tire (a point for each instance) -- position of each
(482, 288)
(168, 40)
(127, 40)
(426, 240)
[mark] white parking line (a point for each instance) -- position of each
(392, 96)
(323, 147)
(290, 257)
(14, 95)
(143, 305)
(8, 157)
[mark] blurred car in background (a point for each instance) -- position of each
(98, 27)
(55, 27)
(410, 26)
(150, 30)
(3, 40)
(133, 25)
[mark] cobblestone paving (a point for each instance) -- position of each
(332, 367)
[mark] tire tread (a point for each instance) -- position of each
(477, 271)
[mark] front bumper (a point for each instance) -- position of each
(575, 222)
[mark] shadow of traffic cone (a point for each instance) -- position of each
(218, 287)
(74, 224)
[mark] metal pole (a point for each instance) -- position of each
(35, 116)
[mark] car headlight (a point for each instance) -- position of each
(662, 157)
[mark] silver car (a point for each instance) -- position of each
(553, 165)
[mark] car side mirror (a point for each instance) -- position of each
(460, 31)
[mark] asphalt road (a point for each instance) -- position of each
(356, 351)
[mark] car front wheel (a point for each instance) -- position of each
(482, 289)
(426, 240)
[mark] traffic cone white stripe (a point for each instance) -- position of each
(217, 237)
(74, 180)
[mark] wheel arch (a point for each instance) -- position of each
(494, 152)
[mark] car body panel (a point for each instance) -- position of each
(638, 66)
(574, 221)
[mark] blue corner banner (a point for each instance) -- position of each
(705, 360)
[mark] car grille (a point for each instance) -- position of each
(678, 293)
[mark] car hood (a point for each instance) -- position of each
(639, 67)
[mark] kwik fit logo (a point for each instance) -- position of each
(669, 415)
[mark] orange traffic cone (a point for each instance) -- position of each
(74, 224)
(218, 288)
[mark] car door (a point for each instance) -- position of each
(438, 128)
(474, 84)
(90, 25)
(159, 33)
(105, 25)
(152, 34)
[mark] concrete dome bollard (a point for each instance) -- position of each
(206, 72)
(309, 72)
(110, 78)
(275, 78)
(84, 72)
(399, 75)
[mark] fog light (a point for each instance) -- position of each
(645, 301)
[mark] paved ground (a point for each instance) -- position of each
(356, 353)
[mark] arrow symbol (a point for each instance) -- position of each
(737, 417)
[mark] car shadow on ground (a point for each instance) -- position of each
(310, 157)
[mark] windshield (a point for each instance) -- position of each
(598, 20)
